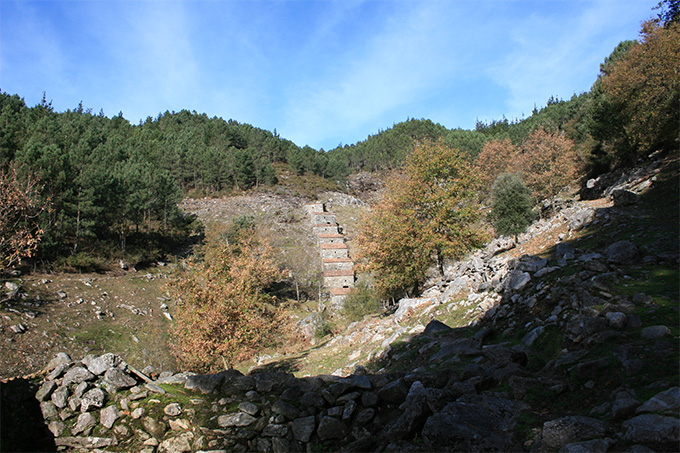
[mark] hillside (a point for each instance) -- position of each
(563, 338)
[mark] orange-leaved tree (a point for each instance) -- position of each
(223, 312)
(427, 215)
(20, 207)
(644, 89)
(547, 162)
(495, 158)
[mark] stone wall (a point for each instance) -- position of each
(337, 265)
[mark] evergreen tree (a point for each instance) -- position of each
(512, 205)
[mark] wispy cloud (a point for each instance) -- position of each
(558, 54)
(398, 64)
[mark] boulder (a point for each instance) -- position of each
(310, 324)
(394, 393)
(530, 263)
(60, 397)
(172, 410)
(656, 431)
(581, 218)
(205, 383)
(466, 427)
(623, 197)
(237, 419)
(516, 280)
(616, 320)
(407, 308)
(566, 430)
(108, 416)
(654, 332)
(668, 400)
(179, 444)
(61, 359)
(621, 252)
(45, 390)
(99, 365)
(435, 326)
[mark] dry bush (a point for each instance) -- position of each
(224, 314)
(20, 207)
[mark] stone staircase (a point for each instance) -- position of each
(338, 268)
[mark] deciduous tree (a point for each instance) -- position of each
(644, 87)
(547, 162)
(427, 215)
(495, 159)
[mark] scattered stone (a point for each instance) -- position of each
(624, 408)
(56, 427)
(310, 324)
(588, 446)
(49, 410)
(154, 427)
(205, 383)
(617, 320)
(466, 427)
(172, 409)
(61, 359)
(516, 280)
(249, 408)
(45, 391)
(99, 365)
(60, 397)
(179, 444)
(18, 328)
(119, 379)
(532, 335)
(86, 442)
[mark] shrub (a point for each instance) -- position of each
(224, 313)
(360, 301)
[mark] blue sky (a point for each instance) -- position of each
(319, 72)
